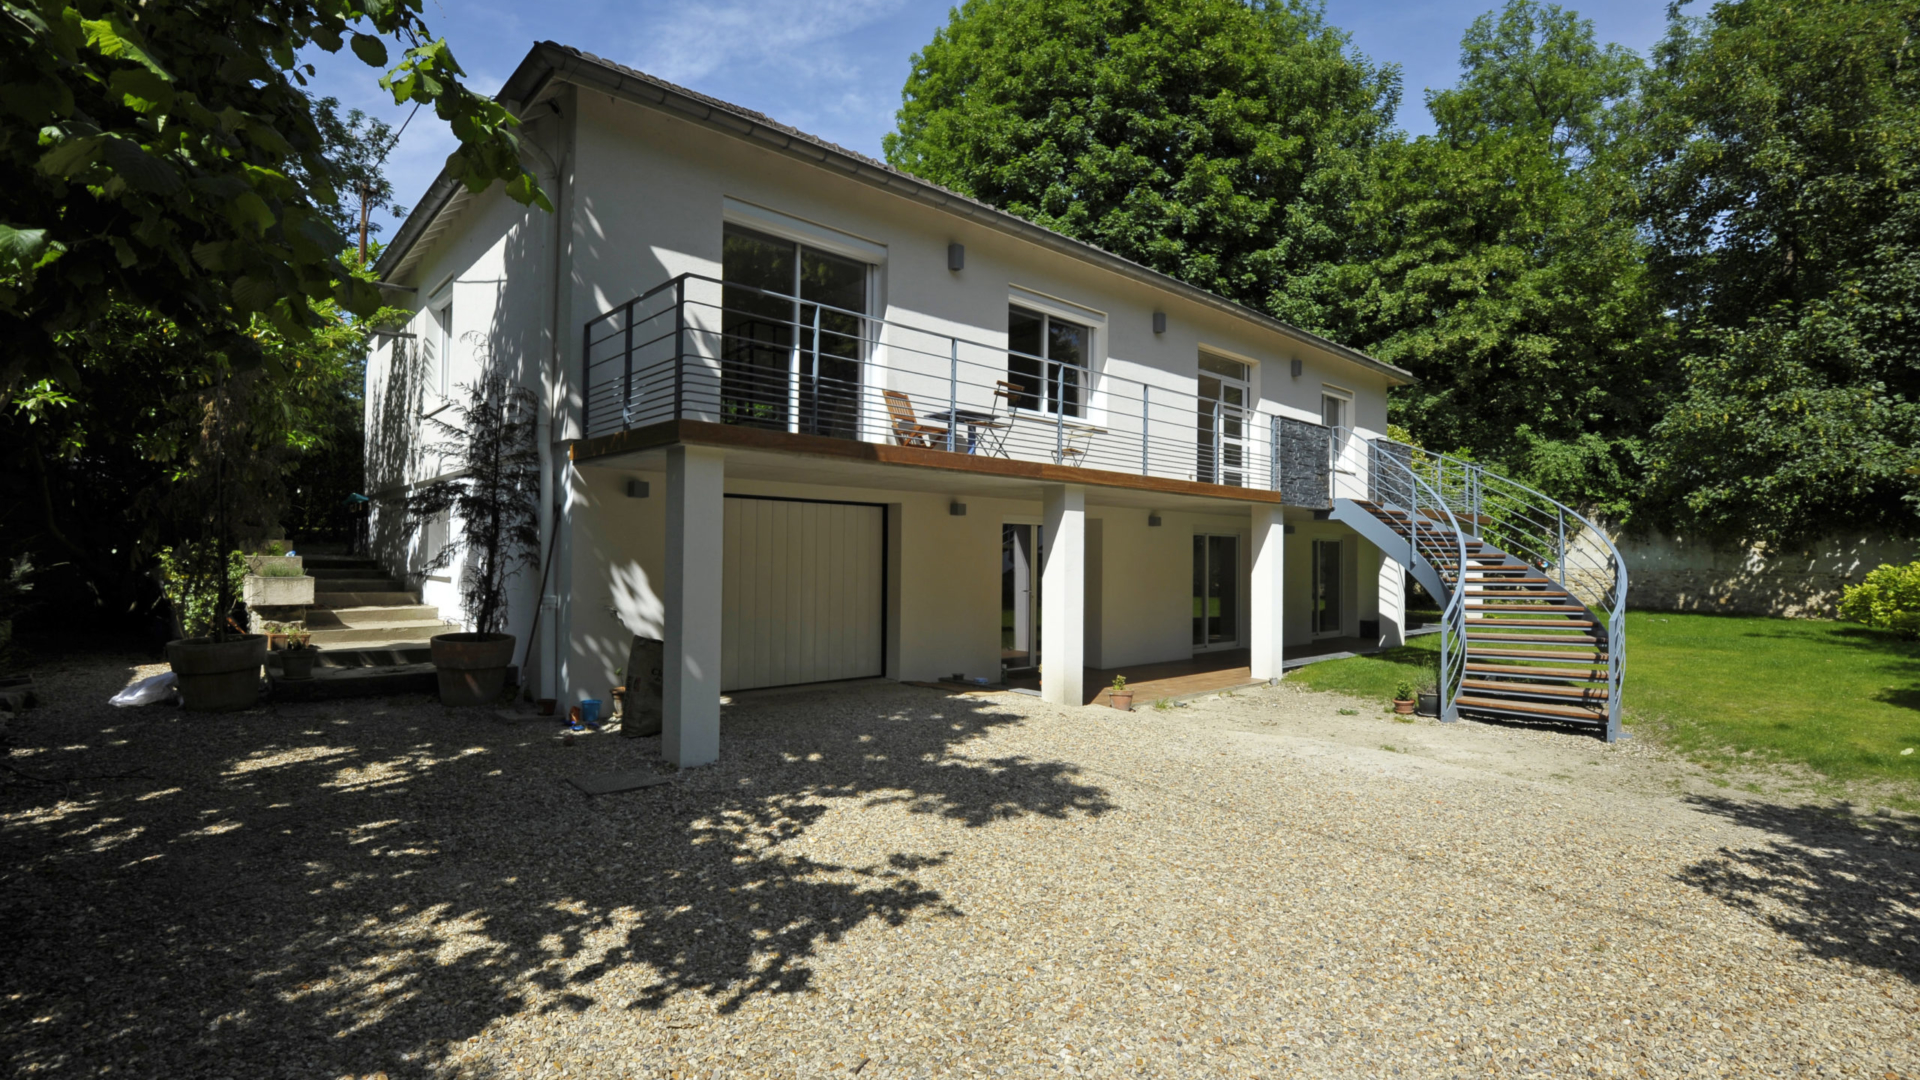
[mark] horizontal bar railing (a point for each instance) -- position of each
(1535, 528)
(696, 348)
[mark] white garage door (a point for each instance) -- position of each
(803, 592)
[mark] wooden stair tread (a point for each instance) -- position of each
(1536, 638)
(1589, 693)
(1549, 624)
(1592, 674)
(1538, 654)
(1532, 708)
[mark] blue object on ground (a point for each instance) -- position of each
(590, 712)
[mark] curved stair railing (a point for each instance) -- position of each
(1541, 588)
(1410, 520)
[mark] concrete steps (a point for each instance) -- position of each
(358, 617)
(372, 633)
(330, 599)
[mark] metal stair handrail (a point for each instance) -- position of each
(1394, 484)
(1534, 527)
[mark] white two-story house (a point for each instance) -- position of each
(808, 419)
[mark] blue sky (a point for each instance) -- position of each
(834, 67)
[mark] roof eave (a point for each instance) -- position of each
(547, 60)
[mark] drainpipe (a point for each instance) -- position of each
(548, 172)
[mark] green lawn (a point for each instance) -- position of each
(1835, 696)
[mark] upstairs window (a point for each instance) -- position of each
(1047, 362)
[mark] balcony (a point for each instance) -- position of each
(698, 349)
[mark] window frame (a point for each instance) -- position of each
(1044, 402)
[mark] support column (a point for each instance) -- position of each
(1063, 596)
(690, 726)
(1393, 602)
(1267, 610)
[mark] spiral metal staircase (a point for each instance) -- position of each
(1532, 594)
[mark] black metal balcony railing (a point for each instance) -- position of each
(696, 348)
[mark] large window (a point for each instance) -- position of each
(1046, 362)
(1221, 423)
(793, 335)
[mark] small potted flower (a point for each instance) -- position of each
(1120, 697)
(298, 658)
(1404, 698)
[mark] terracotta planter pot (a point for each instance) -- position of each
(1121, 699)
(297, 664)
(1404, 708)
(218, 676)
(472, 667)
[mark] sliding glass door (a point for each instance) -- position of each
(793, 336)
(1216, 592)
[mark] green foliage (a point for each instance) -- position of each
(1500, 261)
(1889, 598)
(1212, 140)
(1783, 200)
(495, 494)
(1404, 690)
(166, 156)
(281, 570)
(200, 585)
(1119, 683)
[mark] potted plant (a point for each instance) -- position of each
(297, 660)
(1429, 699)
(1403, 698)
(617, 696)
(277, 581)
(223, 497)
(495, 497)
(1120, 697)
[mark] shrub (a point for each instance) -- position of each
(1889, 597)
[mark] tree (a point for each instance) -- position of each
(1783, 204)
(1500, 260)
(166, 156)
(495, 494)
(1213, 140)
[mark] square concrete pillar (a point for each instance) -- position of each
(1393, 602)
(1266, 617)
(690, 725)
(1063, 596)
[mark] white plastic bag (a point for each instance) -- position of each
(146, 691)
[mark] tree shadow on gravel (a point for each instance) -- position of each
(356, 887)
(1845, 888)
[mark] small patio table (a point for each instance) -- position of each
(975, 422)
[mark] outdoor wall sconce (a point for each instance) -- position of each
(958, 509)
(956, 257)
(1159, 322)
(637, 489)
(1153, 521)
(1298, 367)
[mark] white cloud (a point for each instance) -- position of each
(687, 42)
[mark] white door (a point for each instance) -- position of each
(802, 592)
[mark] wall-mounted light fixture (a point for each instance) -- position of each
(1159, 322)
(638, 489)
(1298, 367)
(1153, 521)
(956, 257)
(958, 509)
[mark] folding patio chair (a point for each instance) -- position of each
(907, 428)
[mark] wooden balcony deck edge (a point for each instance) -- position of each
(703, 433)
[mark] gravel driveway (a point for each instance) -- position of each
(888, 881)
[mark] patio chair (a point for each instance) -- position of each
(907, 429)
(993, 436)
